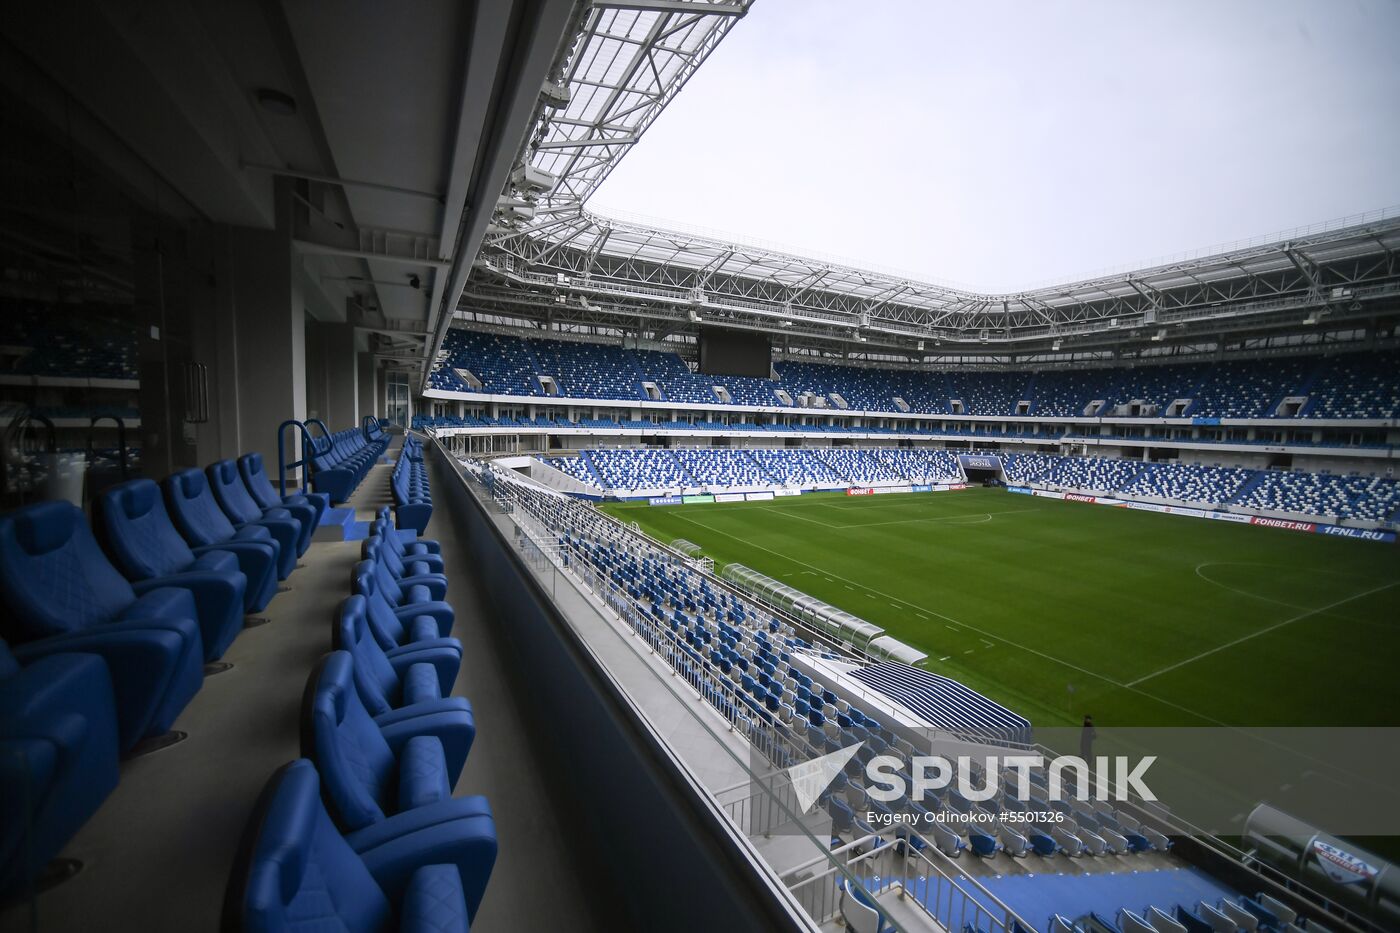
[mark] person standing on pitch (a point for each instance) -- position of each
(1087, 734)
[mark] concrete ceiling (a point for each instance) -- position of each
(407, 120)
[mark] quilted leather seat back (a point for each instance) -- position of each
(139, 534)
(231, 493)
(194, 510)
(356, 764)
(301, 875)
(54, 577)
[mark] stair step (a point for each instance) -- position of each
(340, 525)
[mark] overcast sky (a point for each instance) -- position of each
(1001, 145)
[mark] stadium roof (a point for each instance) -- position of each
(548, 260)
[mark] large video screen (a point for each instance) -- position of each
(725, 352)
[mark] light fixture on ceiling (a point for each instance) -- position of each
(276, 102)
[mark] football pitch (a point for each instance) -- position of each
(1057, 609)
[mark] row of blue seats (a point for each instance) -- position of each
(362, 833)
(104, 643)
(341, 460)
(1242, 914)
(1363, 498)
(1348, 385)
(413, 500)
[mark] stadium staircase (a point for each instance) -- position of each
(586, 458)
(1253, 483)
(767, 477)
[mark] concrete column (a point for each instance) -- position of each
(332, 376)
(270, 316)
(368, 385)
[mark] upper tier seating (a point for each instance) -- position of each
(1352, 385)
(295, 871)
(133, 524)
(58, 757)
(61, 595)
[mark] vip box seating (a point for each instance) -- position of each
(363, 833)
(1355, 385)
(132, 523)
(106, 628)
(205, 526)
(342, 459)
(58, 756)
(62, 595)
(296, 870)
(413, 501)
(292, 532)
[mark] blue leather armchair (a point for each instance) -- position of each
(61, 595)
(58, 757)
(131, 521)
(294, 869)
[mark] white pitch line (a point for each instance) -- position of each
(1263, 631)
(982, 518)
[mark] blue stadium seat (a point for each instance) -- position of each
(307, 507)
(131, 521)
(410, 593)
(202, 523)
(295, 871)
(58, 757)
(400, 561)
(393, 573)
(255, 555)
(405, 540)
(413, 501)
(232, 496)
(61, 595)
(416, 673)
(373, 771)
(394, 627)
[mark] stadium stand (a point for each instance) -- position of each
(1348, 386)
(1373, 499)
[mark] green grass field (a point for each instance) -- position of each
(1060, 608)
